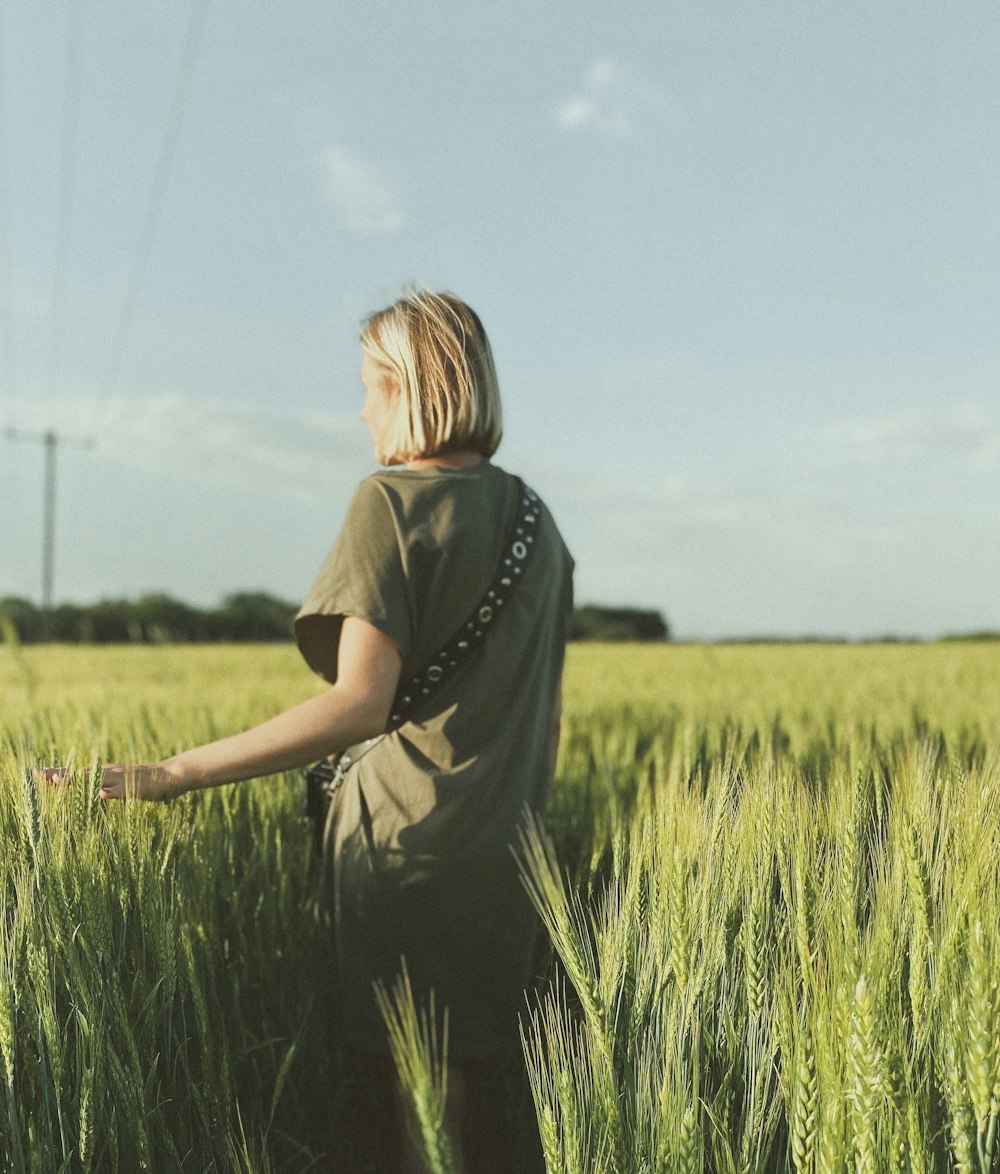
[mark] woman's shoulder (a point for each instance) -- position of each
(444, 502)
(405, 487)
(398, 475)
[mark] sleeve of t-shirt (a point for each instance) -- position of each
(362, 576)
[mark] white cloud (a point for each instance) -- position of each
(966, 435)
(614, 101)
(215, 442)
(358, 194)
(601, 104)
(739, 562)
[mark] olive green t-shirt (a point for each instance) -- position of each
(425, 821)
(417, 551)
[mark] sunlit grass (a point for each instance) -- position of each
(772, 890)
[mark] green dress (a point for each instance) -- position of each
(424, 868)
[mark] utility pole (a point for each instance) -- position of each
(51, 440)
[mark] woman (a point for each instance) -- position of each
(423, 825)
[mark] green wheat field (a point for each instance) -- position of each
(770, 884)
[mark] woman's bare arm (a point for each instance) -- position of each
(356, 707)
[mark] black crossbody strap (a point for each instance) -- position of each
(516, 553)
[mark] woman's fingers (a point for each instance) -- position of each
(54, 776)
(112, 783)
(119, 781)
(148, 781)
(62, 776)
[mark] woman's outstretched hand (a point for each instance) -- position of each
(356, 707)
(150, 781)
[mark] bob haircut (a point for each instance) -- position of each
(434, 346)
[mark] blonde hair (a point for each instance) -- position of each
(435, 347)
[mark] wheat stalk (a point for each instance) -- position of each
(679, 959)
(866, 1065)
(961, 1122)
(564, 919)
(981, 1013)
(421, 1064)
(805, 1104)
(921, 939)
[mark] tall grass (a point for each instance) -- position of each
(420, 1062)
(162, 978)
(769, 877)
(779, 943)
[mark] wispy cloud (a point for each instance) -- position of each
(614, 101)
(216, 443)
(741, 562)
(967, 435)
(358, 194)
(600, 104)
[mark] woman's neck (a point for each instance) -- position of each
(464, 459)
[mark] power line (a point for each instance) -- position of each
(67, 176)
(8, 350)
(51, 440)
(147, 235)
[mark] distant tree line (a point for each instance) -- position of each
(256, 616)
(617, 623)
(246, 616)
(154, 619)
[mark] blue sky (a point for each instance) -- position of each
(738, 264)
